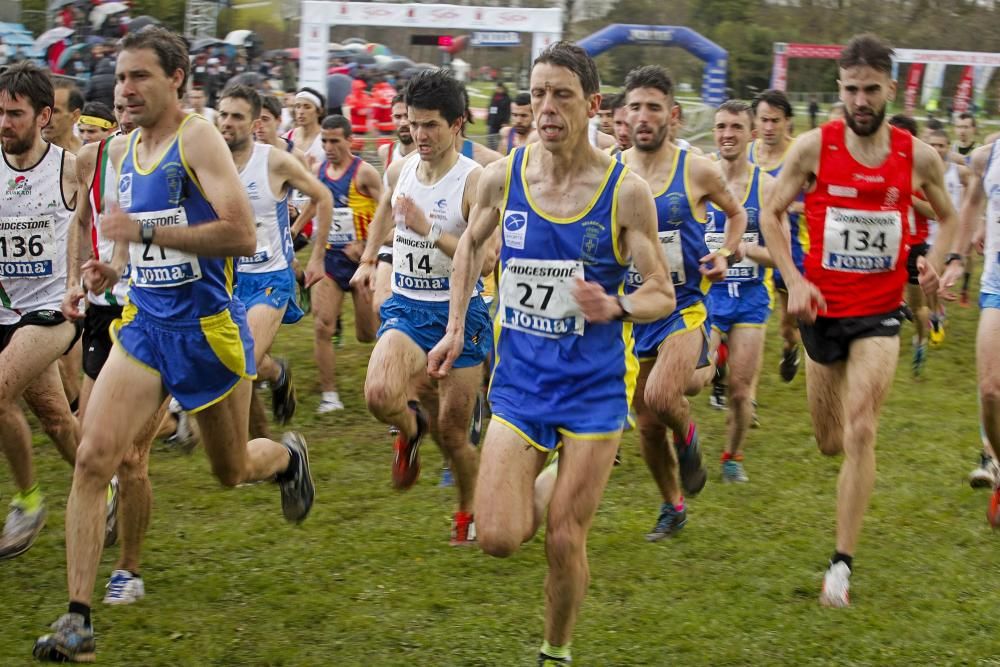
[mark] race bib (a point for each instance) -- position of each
(861, 241)
(156, 266)
(746, 269)
(27, 246)
(536, 297)
(342, 227)
(419, 269)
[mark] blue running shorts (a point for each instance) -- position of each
(739, 305)
(649, 337)
(987, 300)
(339, 268)
(274, 289)
(424, 322)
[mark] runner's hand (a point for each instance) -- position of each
(116, 225)
(70, 305)
(443, 356)
(713, 267)
(411, 215)
(596, 305)
(942, 285)
(99, 276)
(314, 272)
(804, 300)
(979, 240)
(364, 277)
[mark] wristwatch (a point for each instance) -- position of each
(953, 257)
(146, 233)
(726, 254)
(626, 305)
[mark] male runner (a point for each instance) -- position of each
(431, 198)
(39, 191)
(605, 115)
(309, 109)
(859, 175)
(356, 189)
(403, 145)
(673, 351)
(196, 98)
(65, 115)
(96, 122)
(182, 332)
(984, 191)
(567, 212)
(266, 128)
(516, 134)
(773, 120)
(265, 279)
(965, 143)
(741, 304)
(623, 132)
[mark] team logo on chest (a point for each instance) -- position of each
(125, 191)
(174, 175)
(515, 228)
(591, 243)
(17, 187)
(675, 207)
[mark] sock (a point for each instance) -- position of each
(30, 500)
(135, 574)
(726, 456)
(679, 505)
(555, 651)
(843, 558)
(683, 439)
(293, 463)
(83, 610)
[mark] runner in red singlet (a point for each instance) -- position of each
(859, 175)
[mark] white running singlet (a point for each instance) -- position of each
(991, 248)
(274, 237)
(104, 249)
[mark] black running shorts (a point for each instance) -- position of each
(97, 337)
(828, 340)
(916, 250)
(38, 318)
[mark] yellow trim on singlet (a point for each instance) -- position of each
(673, 171)
(755, 155)
(687, 192)
(135, 143)
(184, 162)
(576, 218)
(506, 186)
(622, 261)
(803, 233)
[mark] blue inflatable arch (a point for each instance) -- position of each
(713, 82)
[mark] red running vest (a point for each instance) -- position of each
(858, 220)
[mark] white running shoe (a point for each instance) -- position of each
(836, 586)
(986, 475)
(124, 588)
(330, 403)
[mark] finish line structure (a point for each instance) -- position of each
(318, 16)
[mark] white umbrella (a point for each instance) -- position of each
(383, 60)
(103, 11)
(238, 37)
(50, 37)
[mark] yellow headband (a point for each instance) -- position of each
(94, 120)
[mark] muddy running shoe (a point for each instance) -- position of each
(297, 488)
(69, 641)
(283, 394)
(693, 473)
(406, 458)
(669, 523)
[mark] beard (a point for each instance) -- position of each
(15, 145)
(405, 138)
(237, 143)
(652, 144)
(866, 129)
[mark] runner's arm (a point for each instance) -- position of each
(974, 202)
(923, 207)
(723, 199)
(799, 166)
(952, 237)
(320, 200)
(382, 221)
(79, 227)
(756, 251)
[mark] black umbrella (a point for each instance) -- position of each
(338, 87)
(252, 79)
(205, 43)
(140, 22)
(362, 58)
(398, 65)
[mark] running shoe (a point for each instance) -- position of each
(986, 474)
(331, 403)
(447, 479)
(789, 363)
(717, 399)
(297, 489)
(406, 458)
(919, 359)
(669, 522)
(549, 661)
(732, 472)
(618, 456)
(111, 514)
(936, 334)
(836, 586)
(754, 419)
(463, 530)
(693, 473)
(20, 530)
(124, 588)
(70, 641)
(476, 426)
(993, 511)
(184, 438)
(338, 334)
(283, 394)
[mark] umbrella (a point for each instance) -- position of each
(17, 39)
(140, 22)
(59, 4)
(355, 40)
(338, 87)
(378, 49)
(362, 58)
(94, 40)
(205, 43)
(293, 52)
(382, 60)
(398, 65)
(50, 37)
(103, 11)
(342, 69)
(238, 37)
(335, 46)
(68, 53)
(354, 47)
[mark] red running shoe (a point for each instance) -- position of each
(463, 530)
(993, 511)
(406, 459)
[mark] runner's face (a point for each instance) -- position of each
(20, 127)
(940, 144)
(520, 118)
(431, 133)
(148, 91)
(623, 131)
(865, 93)
(650, 114)
(606, 116)
(62, 121)
(235, 122)
(965, 131)
(90, 133)
(267, 127)
(772, 125)
(560, 108)
(306, 113)
(336, 146)
(197, 100)
(402, 123)
(125, 123)
(732, 134)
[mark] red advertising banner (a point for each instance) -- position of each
(912, 86)
(964, 91)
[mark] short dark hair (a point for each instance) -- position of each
(522, 99)
(74, 98)
(575, 59)
(319, 95)
(272, 104)
(437, 90)
(248, 94)
(337, 122)
(28, 80)
(650, 76)
(99, 110)
(904, 122)
(772, 98)
(940, 132)
(867, 50)
(736, 107)
(617, 101)
(397, 98)
(170, 49)
(965, 115)
(933, 124)
(607, 102)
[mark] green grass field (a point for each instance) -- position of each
(370, 579)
